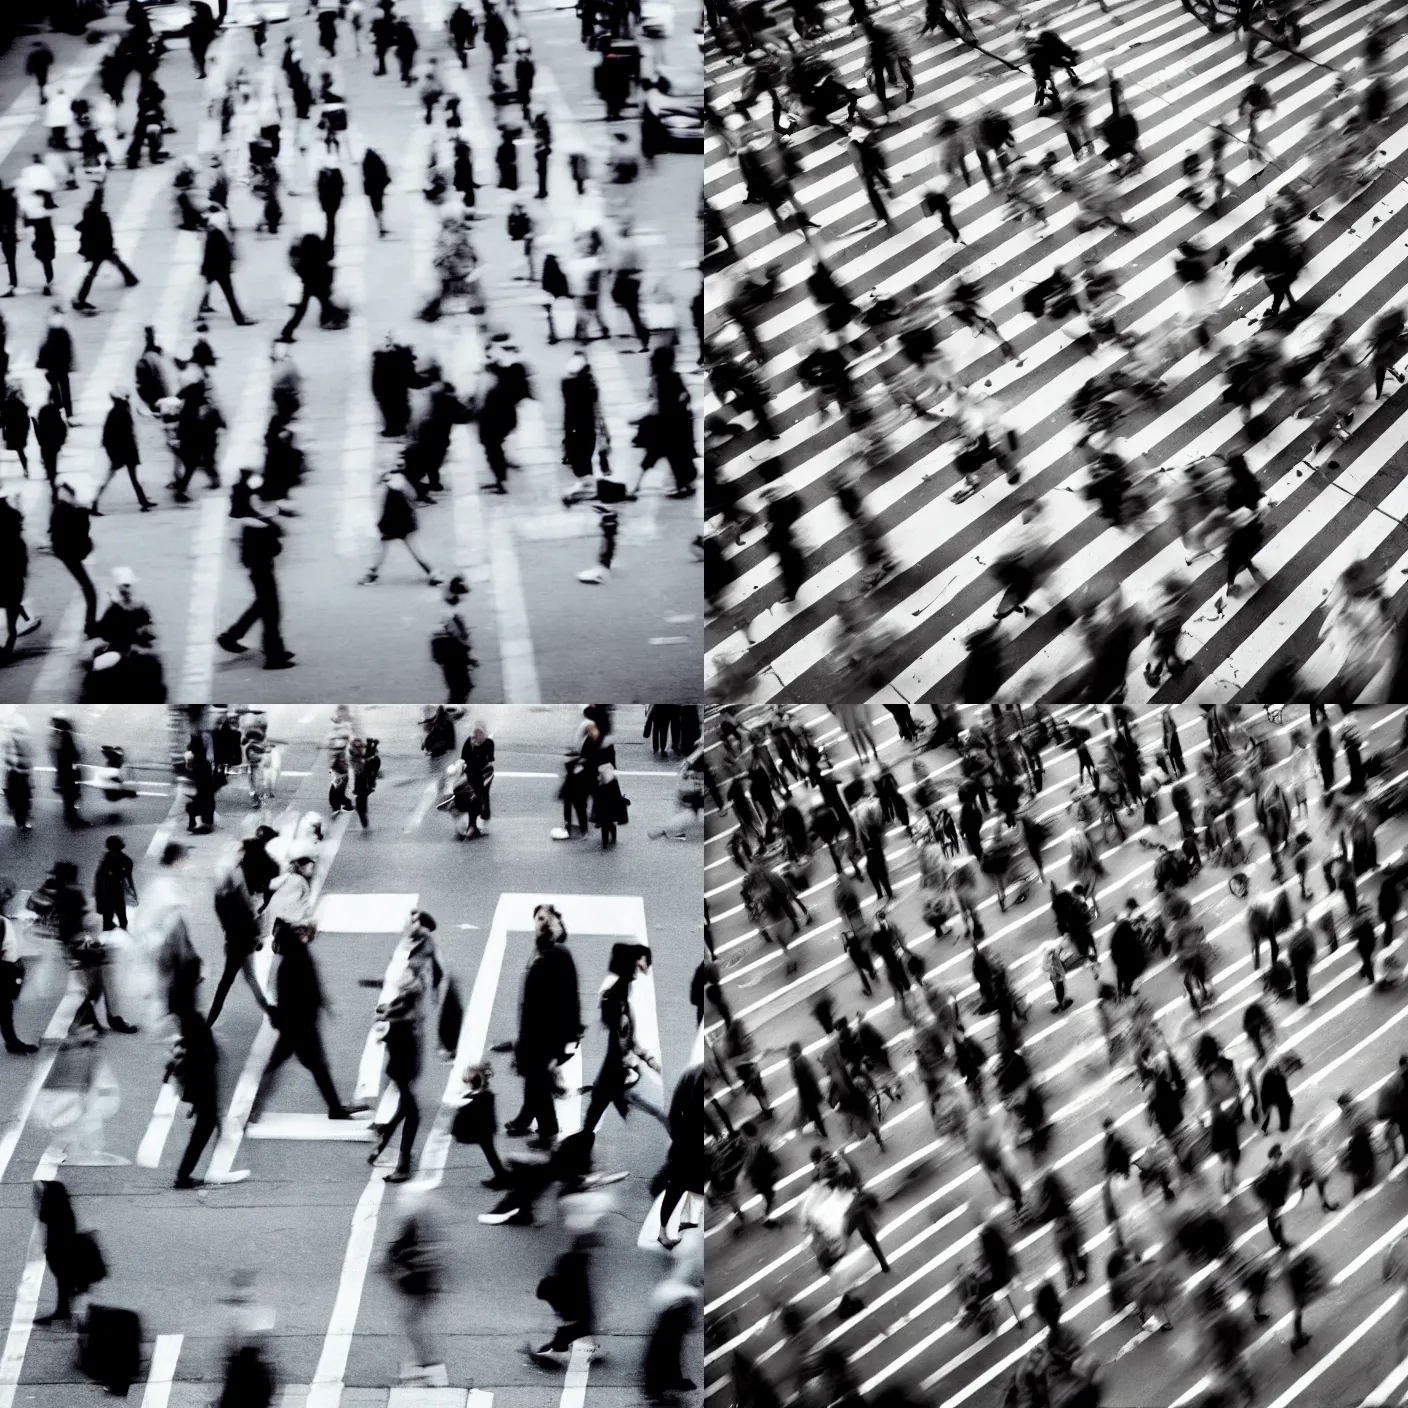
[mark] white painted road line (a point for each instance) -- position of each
(309, 1128)
(1323, 1366)
(54, 1033)
(165, 1353)
(154, 1140)
(574, 1390)
(326, 1389)
(1382, 1392)
(22, 1319)
(427, 800)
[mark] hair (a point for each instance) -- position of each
(425, 920)
(624, 958)
(115, 843)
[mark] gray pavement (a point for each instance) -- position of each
(294, 1220)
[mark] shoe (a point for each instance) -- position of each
(1262, 1316)
(280, 662)
(84, 306)
(124, 1028)
(341, 1113)
(680, 494)
(398, 1175)
(594, 575)
(189, 1183)
(517, 1217)
(21, 1048)
(516, 1129)
(227, 642)
(367, 578)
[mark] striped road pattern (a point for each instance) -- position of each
(1178, 80)
(931, 1192)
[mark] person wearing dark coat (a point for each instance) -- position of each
(430, 440)
(97, 246)
(9, 235)
(668, 431)
(71, 537)
(609, 807)
(1300, 953)
(14, 573)
(1276, 1095)
(14, 424)
(195, 1066)
(1272, 1186)
(332, 186)
(50, 433)
(462, 174)
(55, 360)
(613, 1083)
(463, 30)
(506, 159)
(394, 377)
(581, 416)
(235, 909)
(113, 885)
(260, 545)
(684, 1168)
(298, 1008)
(549, 1025)
(120, 444)
(216, 266)
(1127, 954)
(403, 37)
(60, 1236)
(498, 419)
(810, 1102)
(312, 263)
(198, 425)
(397, 523)
(375, 180)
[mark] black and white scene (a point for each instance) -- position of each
(1039, 329)
(290, 283)
(1056, 1057)
(478, 1183)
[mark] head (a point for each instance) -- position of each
(547, 924)
(173, 855)
(125, 582)
(115, 844)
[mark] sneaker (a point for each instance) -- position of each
(280, 662)
(189, 1183)
(227, 642)
(126, 1028)
(594, 575)
(518, 1217)
(21, 1048)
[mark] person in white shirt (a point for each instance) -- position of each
(35, 190)
(11, 979)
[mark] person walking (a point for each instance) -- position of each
(194, 1066)
(478, 758)
(260, 545)
(36, 194)
(70, 536)
(50, 435)
(375, 181)
(217, 264)
(299, 1005)
(401, 1017)
(235, 909)
(1272, 1186)
(113, 885)
(55, 360)
(397, 523)
(9, 235)
(415, 1261)
(14, 424)
(311, 260)
(331, 187)
(11, 981)
(97, 245)
(120, 446)
(549, 1027)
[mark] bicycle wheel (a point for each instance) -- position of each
(1239, 884)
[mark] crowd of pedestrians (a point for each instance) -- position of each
(1284, 816)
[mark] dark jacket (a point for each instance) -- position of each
(550, 1013)
(300, 990)
(69, 531)
(218, 257)
(95, 239)
(120, 435)
(375, 177)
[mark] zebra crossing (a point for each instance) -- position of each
(1178, 80)
(908, 1333)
